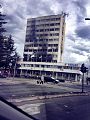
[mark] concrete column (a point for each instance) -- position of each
(21, 73)
(76, 78)
(68, 76)
(56, 75)
(62, 75)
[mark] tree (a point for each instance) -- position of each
(10, 51)
(15, 60)
(8, 54)
(2, 39)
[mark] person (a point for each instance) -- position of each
(42, 79)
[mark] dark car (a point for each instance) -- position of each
(50, 79)
(61, 80)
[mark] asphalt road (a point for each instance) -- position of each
(25, 90)
(65, 108)
(14, 89)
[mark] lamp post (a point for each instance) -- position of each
(10, 64)
(15, 67)
(87, 18)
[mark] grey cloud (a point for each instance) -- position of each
(80, 11)
(13, 23)
(71, 37)
(83, 32)
(19, 12)
(75, 50)
(35, 8)
(81, 48)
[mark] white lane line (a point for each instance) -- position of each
(65, 106)
(31, 109)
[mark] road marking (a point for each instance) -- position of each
(31, 109)
(65, 106)
(13, 95)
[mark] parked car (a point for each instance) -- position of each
(51, 79)
(61, 80)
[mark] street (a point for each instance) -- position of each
(26, 95)
(10, 88)
(27, 88)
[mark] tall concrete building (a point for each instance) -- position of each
(44, 47)
(45, 39)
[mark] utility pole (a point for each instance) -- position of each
(83, 83)
(14, 72)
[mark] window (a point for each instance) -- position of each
(56, 39)
(56, 34)
(52, 29)
(30, 50)
(55, 45)
(38, 21)
(46, 40)
(51, 34)
(52, 24)
(52, 19)
(40, 45)
(56, 29)
(35, 45)
(27, 40)
(46, 29)
(50, 39)
(25, 50)
(55, 50)
(41, 30)
(49, 50)
(54, 61)
(40, 39)
(46, 25)
(37, 30)
(50, 45)
(45, 34)
(58, 18)
(36, 65)
(57, 23)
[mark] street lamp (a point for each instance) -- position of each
(10, 65)
(87, 18)
(15, 67)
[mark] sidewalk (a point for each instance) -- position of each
(34, 98)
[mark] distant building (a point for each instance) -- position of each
(45, 39)
(44, 46)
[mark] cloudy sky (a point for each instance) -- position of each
(77, 40)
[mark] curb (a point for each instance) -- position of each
(46, 97)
